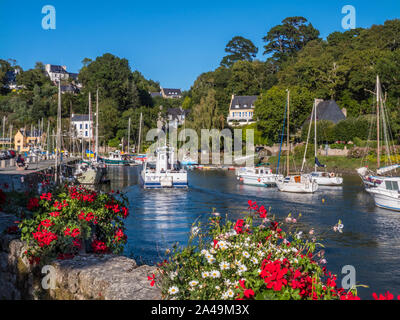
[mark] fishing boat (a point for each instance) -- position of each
(164, 172)
(257, 176)
(116, 158)
(382, 185)
(301, 183)
(87, 173)
(322, 178)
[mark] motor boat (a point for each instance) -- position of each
(257, 176)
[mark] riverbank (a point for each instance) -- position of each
(339, 164)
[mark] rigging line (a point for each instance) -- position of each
(308, 137)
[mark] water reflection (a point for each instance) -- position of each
(369, 240)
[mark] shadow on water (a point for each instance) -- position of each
(369, 242)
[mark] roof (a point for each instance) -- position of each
(57, 69)
(172, 92)
(329, 110)
(80, 117)
(73, 75)
(244, 102)
(155, 94)
(175, 112)
(34, 133)
(69, 88)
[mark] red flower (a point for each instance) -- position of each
(239, 226)
(249, 293)
(32, 203)
(263, 212)
(387, 296)
(119, 235)
(46, 196)
(152, 279)
(75, 233)
(252, 205)
(54, 214)
(99, 247)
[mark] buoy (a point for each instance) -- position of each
(258, 179)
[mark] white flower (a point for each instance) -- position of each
(204, 252)
(294, 249)
(217, 287)
(254, 260)
(173, 290)
(195, 231)
(227, 282)
(215, 274)
(224, 265)
(224, 296)
(211, 260)
(230, 293)
(213, 251)
(173, 275)
(205, 274)
(193, 283)
(223, 245)
(298, 235)
(246, 254)
(261, 253)
(242, 268)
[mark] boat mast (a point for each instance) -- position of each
(140, 132)
(96, 150)
(58, 140)
(315, 136)
(288, 121)
(377, 122)
(90, 122)
(129, 133)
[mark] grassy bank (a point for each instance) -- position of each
(339, 164)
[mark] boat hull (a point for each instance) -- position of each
(387, 200)
(157, 182)
(328, 181)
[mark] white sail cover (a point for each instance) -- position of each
(387, 169)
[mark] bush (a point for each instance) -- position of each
(241, 260)
(63, 222)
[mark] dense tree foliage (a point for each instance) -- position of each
(239, 49)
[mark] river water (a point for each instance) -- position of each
(369, 242)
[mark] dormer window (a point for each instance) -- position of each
(237, 106)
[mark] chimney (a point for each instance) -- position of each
(344, 110)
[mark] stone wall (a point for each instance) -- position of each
(87, 276)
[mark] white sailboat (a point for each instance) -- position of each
(322, 178)
(301, 183)
(384, 189)
(164, 172)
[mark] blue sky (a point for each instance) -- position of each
(168, 41)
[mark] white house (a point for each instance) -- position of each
(82, 126)
(57, 73)
(176, 117)
(241, 110)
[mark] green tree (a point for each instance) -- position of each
(270, 107)
(239, 49)
(286, 39)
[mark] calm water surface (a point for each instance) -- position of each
(369, 242)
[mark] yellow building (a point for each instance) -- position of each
(26, 140)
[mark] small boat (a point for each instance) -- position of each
(87, 173)
(257, 176)
(116, 158)
(297, 184)
(326, 179)
(164, 172)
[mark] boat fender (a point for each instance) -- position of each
(331, 174)
(258, 179)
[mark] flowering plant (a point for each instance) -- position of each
(248, 260)
(62, 221)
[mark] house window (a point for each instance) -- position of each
(245, 106)
(86, 126)
(80, 126)
(86, 133)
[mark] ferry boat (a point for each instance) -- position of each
(164, 172)
(257, 176)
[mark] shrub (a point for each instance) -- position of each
(242, 260)
(63, 221)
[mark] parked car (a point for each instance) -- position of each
(12, 153)
(4, 155)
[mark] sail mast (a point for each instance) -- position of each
(97, 125)
(315, 136)
(90, 122)
(377, 122)
(58, 140)
(129, 134)
(140, 132)
(287, 143)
